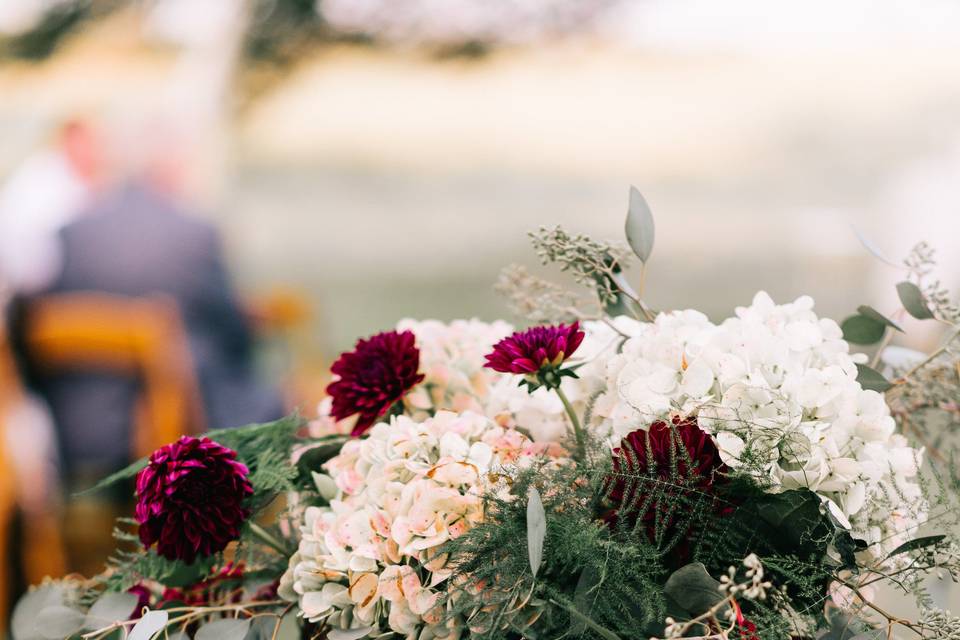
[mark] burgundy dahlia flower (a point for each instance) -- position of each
(374, 376)
(658, 474)
(537, 353)
(190, 499)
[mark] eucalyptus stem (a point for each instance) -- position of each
(933, 356)
(268, 538)
(577, 427)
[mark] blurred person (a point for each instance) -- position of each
(29, 487)
(136, 240)
(45, 193)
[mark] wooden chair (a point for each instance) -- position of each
(42, 545)
(141, 337)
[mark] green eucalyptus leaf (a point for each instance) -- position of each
(861, 329)
(263, 629)
(639, 227)
(226, 629)
(797, 519)
(109, 608)
(149, 625)
(872, 248)
(180, 574)
(59, 621)
(23, 622)
(870, 312)
(913, 300)
(871, 379)
(349, 634)
(693, 588)
(536, 529)
(917, 543)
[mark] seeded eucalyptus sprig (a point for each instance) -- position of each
(593, 263)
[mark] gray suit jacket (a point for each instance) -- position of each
(136, 243)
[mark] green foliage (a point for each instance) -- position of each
(872, 379)
(601, 581)
(639, 227)
(271, 474)
(251, 443)
(625, 583)
(131, 564)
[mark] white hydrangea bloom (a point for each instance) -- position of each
(400, 494)
(776, 387)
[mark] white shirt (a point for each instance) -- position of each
(38, 199)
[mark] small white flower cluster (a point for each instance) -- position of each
(940, 623)
(777, 388)
(371, 558)
(755, 589)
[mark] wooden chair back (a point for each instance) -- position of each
(141, 337)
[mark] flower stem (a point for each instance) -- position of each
(933, 356)
(577, 428)
(268, 539)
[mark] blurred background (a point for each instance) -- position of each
(268, 180)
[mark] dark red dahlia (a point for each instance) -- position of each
(374, 376)
(659, 474)
(190, 499)
(144, 595)
(537, 352)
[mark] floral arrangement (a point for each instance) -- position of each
(610, 472)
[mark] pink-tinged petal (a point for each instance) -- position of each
(542, 346)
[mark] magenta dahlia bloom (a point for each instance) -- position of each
(190, 499)
(373, 377)
(537, 353)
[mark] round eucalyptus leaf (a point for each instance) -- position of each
(349, 634)
(59, 621)
(693, 588)
(913, 301)
(870, 312)
(109, 608)
(536, 529)
(149, 625)
(639, 227)
(23, 622)
(227, 629)
(860, 329)
(871, 379)
(262, 629)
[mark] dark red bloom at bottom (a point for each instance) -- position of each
(745, 629)
(144, 596)
(659, 474)
(190, 499)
